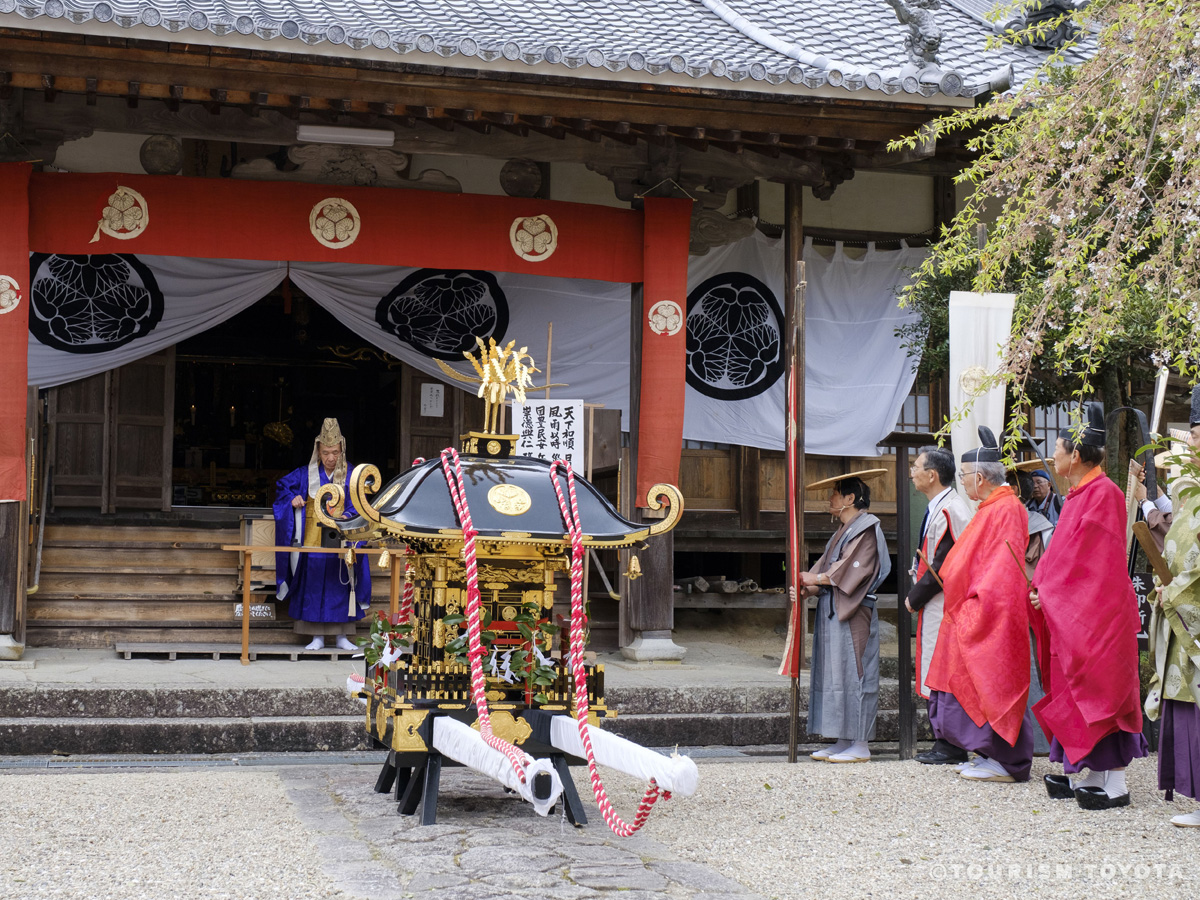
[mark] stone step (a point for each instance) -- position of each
(273, 734)
(709, 700)
(175, 703)
(738, 729)
(76, 735)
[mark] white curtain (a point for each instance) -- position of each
(590, 347)
(92, 318)
(980, 325)
(857, 374)
(97, 315)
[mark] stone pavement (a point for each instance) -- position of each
(485, 844)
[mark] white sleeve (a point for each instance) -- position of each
(1163, 502)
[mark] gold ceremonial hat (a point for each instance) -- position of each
(865, 475)
(331, 433)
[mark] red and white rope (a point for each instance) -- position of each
(570, 515)
(406, 604)
(452, 469)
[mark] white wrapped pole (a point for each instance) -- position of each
(677, 774)
(464, 744)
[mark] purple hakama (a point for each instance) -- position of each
(1113, 751)
(1179, 748)
(951, 722)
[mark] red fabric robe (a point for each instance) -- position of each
(1089, 621)
(982, 653)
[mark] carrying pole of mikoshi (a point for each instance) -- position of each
(793, 654)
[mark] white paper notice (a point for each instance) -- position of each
(433, 400)
(550, 429)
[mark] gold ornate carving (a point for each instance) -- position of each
(674, 499)
(634, 572)
(334, 222)
(509, 499)
(439, 633)
(493, 447)
(533, 238)
(10, 294)
(509, 613)
(506, 727)
(332, 497)
(382, 715)
(404, 730)
(126, 216)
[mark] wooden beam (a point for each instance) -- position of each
(91, 91)
(133, 94)
(176, 96)
(280, 76)
(48, 90)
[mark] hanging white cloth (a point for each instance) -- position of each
(90, 317)
(590, 350)
(980, 325)
(857, 372)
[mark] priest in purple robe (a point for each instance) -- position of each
(325, 596)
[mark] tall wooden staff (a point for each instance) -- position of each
(793, 655)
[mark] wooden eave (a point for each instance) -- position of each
(319, 87)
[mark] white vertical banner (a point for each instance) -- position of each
(550, 429)
(980, 326)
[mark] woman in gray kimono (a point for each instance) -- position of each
(844, 692)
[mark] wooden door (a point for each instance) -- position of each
(111, 437)
(141, 433)
(79, 442)
(427, 431)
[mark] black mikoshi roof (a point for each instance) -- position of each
(417, 505)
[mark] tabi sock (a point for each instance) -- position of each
(344, 643)
(1093, 779)
(1114, 784)
(840, 747)
(859, 749)
(318, 643)
(988, 766)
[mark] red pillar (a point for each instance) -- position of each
(667, 233)
(14, 326)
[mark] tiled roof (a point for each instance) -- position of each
(848, 44)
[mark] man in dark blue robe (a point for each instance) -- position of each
(324, 595)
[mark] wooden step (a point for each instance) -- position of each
(155, 650)
(96, 637)
(118, 533)
(221, 610)
(96, 557)
(67, 570)
(100, 583)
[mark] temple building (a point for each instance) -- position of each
(226, 221)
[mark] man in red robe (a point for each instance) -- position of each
(979, 677)
(1086, 622)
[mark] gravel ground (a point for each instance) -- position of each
(899, 829)
(193, 834)
(810, 830)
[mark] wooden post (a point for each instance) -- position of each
(908, 712)
(246, 556)
(903, 442)
(794, 310)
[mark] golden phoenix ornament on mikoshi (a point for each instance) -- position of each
(501, 371)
